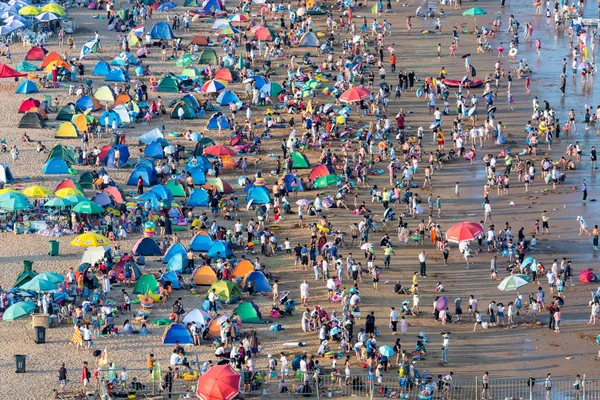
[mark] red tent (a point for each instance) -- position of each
(28, 104)
(224, 74)
(263, 34)
(36, 53)
(220, 382)
(8, 72)
(68, 183)
(115, 194)
(104, 152)
(318, 171)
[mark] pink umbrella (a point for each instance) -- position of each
(142, 52)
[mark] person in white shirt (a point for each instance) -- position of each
(330, 288)
(487, 211)
(394, 320)
(284, 362)
(304, 289)
(423, 263)
(175, 359)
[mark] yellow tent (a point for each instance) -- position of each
(67, 130)
(58, 64)
(81, 121)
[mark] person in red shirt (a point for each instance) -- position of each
(85, 376)
(393, 62)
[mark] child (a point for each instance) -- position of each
(560, 286)
(533, 242)
(536, 226)
(287, 246)
(511, 101)
(404, 324)
(457, 190)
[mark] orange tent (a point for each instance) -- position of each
(81, 122)
(122, 99)
(242, 269)
(228, 162)
(204, 275)
(58, 64)
(224, 74)
(52, 56)
(214, 328)
(200, 40)
(39, 111)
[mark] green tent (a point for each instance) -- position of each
(226, 291)
(87, 180)
(208, 56)
(176, 188)
(248, 313)
(25, 66)
(168, 84)
(327, 180)
(146, 283)
(27, 274)
(188, 112)
(66, 112)
(192, 3)
(65, 153)
(299, 160)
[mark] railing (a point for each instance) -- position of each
(260, 385)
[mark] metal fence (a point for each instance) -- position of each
(259, 385)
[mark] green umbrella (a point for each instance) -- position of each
(51, 277)
(513, 282)
(313, 83)
(59, 202)
(473, 12)
(38, 284)
(327, 180)
(14, 201)
(88, 207)
(18, 310)
(75, 198)
(186, 60)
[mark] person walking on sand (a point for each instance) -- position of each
(445, 346)
(584, 190)
(485, 382)
(423, 263)
(582, 226)
(548, 386)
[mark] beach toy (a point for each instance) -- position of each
(419, 93)
(175, 134)
(154, 297)
(513, 52)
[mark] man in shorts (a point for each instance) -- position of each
(545, 224)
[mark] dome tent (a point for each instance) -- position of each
(204, 275)
(177, 263)
(55, 166)
(171, 276)
(146, 283)
(200, 317)
(36, 53)
(188, 112)
(25, 66)
(176, 188)
(168, 84)
(176, 248)
(227, 97)
(242, 268)
(136, 273)
(26, 87)
(257, 280)
(198, 176)
(309, 39)
(102, 68)
(151, 136)
(177, 333)
(299, 160)
(226, 291)
(161, 30)
(67, 130)
(288, 180)
(146, 247)
(88, 102)
(209, 57)
(220, 249)
(249, 313)
(201, 242)
(31, 120)
(198, 198)
(154, 150)
(216, 120)
(109, 161)
(148, 175)
(66, 112)
(117, 75)
(258, 195)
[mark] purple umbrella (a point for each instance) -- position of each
(327, 203)
(441, 303)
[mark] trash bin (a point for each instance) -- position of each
(53, 247)
(40, 335)
(20, 361)
(27, 265)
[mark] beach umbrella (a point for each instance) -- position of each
(366, 246)
(47, 17)
(7, 190)
(5, 30)
(29, 11)
(186, 60)
(138, 30)
(75, 198)
(513, 282)
(464, 231)
(14, 201)
(38, 284)
(473, 12)
(386, 351)
(214, 86)
(16, 24)
(36, 191)
(88, 207)
(18, 310)
(64, 192)
(91, 46)
(441, 303)
(527, 261)
(303, 202)
(327, 180)
(90, 239)
(59, 202)
(219, 150)
(220, 382)
(55, 9)
(355, 94)
(586, 276)
(51, 277)
(237, 18)
(228, 31)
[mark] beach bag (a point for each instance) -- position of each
(505, 253)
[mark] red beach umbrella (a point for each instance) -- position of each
(220, 382)
(586, 276)
(355, 94)
(219, 150)
(464, 231)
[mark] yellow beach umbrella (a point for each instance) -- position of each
(90, 239)
(55, 8)
(7, 190)
(36, 191)
(64, 192)
(29, 11)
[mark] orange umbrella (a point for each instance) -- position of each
(220, 382)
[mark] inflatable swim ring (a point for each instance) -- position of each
(513, 52)
(419, 93)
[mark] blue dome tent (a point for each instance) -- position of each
(102, 68)
(213, 5)
(154, 150)
(202, 162)
(161, 30)
(198, 198)
(110, 156)
(162, 192)
(88, 102)
(55, 166)
(201, 242)
(147, 173)
(151, 136)
(214, 121)
(174, 249)
(171, 276)
(146, 247)
(258, 195)
(123, 58)
(177, 263)
(108, 117)
(258, 280)
(177, 333)
(220, 248)
(117, 75)
(227, 97)
(26, 87)
(288, 180)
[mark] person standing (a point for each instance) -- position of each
(168, 381)
(584, 190)
(394, 320)
(548, 386)
(85, 376)
(304, 289)
(423, 263)
(62, 377)
(445, 346)
(212, 301)
(594, 158)
(485, 382)
(563, 84)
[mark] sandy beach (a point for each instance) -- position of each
(517, 351)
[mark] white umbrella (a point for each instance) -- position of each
(356, 39)
(16, 24)
(366, 246)
(47, 17)
(513, 282)
(169, 150)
